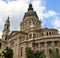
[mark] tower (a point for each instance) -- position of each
(6, 30)
(5, 34)
(30, 19)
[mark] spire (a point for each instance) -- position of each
(30, 7)
(7, 20)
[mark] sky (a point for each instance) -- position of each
(48, 12)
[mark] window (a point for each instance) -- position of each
(42, 44)
(57, 50)
(7, 27)
(47, 33)
(21, 51)
(6, 38)
(50, 51)
(36, 44)
(56, 43)
(34, 35)
(49, 43)
(30, 35)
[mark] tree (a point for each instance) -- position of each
(29, 53)
(34, 54)
(7, 53)
(54, 55)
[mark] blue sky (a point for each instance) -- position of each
(47, 10)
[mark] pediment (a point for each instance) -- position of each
(13, 33)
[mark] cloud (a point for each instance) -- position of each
(56, 22)
(16, 9)
(50, 13)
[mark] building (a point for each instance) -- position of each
(32, 35)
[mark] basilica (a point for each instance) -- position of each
(31, 34)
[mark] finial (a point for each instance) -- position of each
(30, 7)
(7, 19)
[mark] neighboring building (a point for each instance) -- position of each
(32, 35)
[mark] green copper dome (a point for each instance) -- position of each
(30, 12)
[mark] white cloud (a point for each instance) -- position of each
(56, 22)
(15, 10)
(52, 13)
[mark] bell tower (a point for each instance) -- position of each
(6, 30)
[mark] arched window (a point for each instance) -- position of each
(6, 38)
(57, 50)
(43, 51)
(47, 33)
(50, 51)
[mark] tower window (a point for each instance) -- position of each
(6, 38)
(7, 27)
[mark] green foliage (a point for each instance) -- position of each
(8, 53)
(34, 54)
(29, 53)
(54, 55)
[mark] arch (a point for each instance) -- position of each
(43, 51)
(47, 33)
(50, 51)
(57, 50)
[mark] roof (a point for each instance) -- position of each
(13, 33)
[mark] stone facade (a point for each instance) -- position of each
(32, 35)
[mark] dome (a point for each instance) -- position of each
(30, 12)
